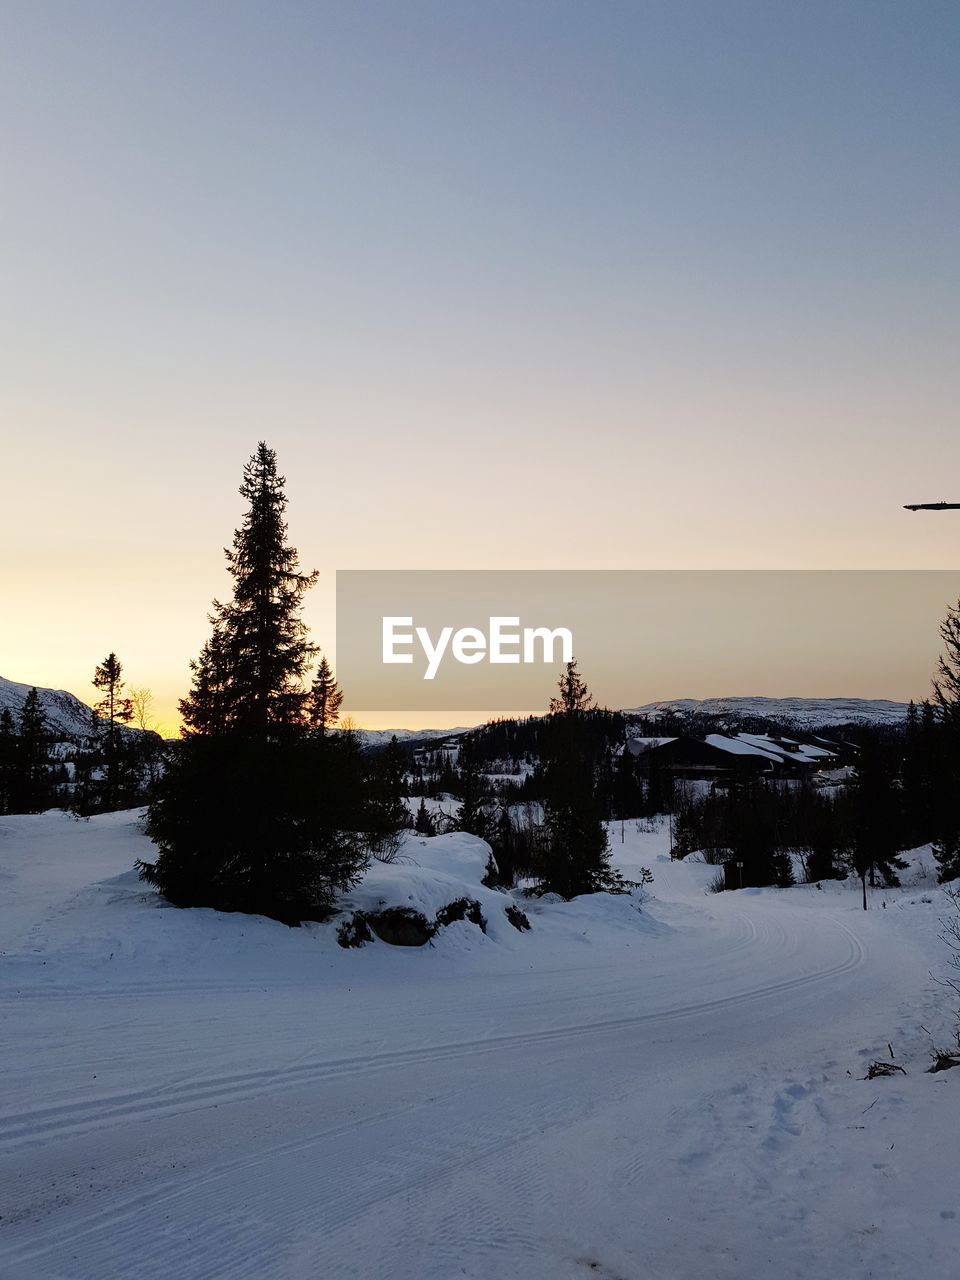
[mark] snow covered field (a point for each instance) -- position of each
(648, 1094)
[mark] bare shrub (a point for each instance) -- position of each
(719, 883)
(386, 847)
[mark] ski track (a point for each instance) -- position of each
(321, 1198)
(41, 1125)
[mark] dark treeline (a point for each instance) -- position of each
(106, 769)
(511, 755)
(903, 792)
(763, 832)
(31, 779)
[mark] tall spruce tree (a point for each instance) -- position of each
(249, 676)
(253, 811)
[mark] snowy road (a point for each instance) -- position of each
(669, 1105)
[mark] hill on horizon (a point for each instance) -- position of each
(795, 712)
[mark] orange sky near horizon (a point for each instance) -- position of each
(155, 636)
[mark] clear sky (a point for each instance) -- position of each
(506, 284)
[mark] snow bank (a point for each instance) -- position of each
(75, 913)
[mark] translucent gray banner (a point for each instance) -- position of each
(438, 641)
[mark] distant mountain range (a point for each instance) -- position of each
(380, 737)
(800, 713)
(68, 717)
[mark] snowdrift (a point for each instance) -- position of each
(74, 911)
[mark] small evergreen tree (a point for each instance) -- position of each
(573, 697)
(573, 854)
(326, 698)
(424, 824)
(471, 791)
(874, 821)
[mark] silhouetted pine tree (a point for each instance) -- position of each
(424, 824)
(249, 677)
(628, 792)
(573, 855)
(574, 698)
(32, 790)
(326, 698)
(254, 812)
(471, 790)
(875, 814)
(112, 711)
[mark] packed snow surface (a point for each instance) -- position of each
(654, 1091)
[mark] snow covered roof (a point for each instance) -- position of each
(739, 747)
(787, 748)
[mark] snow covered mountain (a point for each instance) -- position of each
(796, 712)
(380, 737)
(66, 715)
